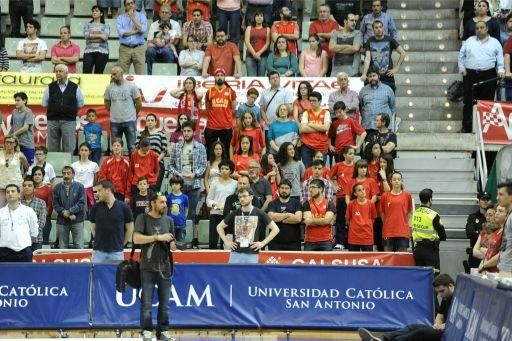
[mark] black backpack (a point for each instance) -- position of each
(128, 272)
(455, 91)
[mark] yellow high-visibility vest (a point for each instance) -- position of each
(423, 224)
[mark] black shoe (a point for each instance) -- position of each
(366, 335)
(195, 243)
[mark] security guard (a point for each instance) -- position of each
(427, 231)
(474, 227)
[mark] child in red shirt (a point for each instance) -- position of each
(360, 176)
(344, 130)
(243, 156)
(360, 215)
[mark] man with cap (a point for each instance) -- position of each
(427, 231)
(220, 109)
(474, 227)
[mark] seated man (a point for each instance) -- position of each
(383, 135)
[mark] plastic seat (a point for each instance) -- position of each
(58, 160)
(50, 26)
(11, 44)
(81, 44)
(190, 232)
(113, 28)
(305, 30)
(113, 47)
(48, 66)
(165, 69)
(4, 4)
(14, 65)
(77, 27)
(37, 7)
(203, 232)
(57, 7)
(82, 8)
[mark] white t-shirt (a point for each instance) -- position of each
(84, 172)
(49, 172)
(32, 46)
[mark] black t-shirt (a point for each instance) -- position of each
(110, 225)
(382, 139)
(444, 308)
(380, 52)
(288, 233)
(140, 204)
(232, 204)
(248, 227)
(261, 189)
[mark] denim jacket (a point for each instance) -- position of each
(74, 203)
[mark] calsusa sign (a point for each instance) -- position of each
(495, 121)
(265, 257)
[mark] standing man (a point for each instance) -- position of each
(131, 27)
(314, 128)
(39, 207)
(479, 58)
(201, 29)
(188, 161)
(286, 212)
(123, 101)
(220, 108)
(111, 225)
(32, 50)
(287, 28)
(19, 9)
(375, 98)
(383, 135)
(505, 200)
(344, 46)
(249, 225)
(345, 95)
(324, 27)
(318, 217)
(69, 203)
(18, 228)
(65, 51)
(379, 49)
(317, 167)
(223, 55)
(259, 185)
(155, 232)
(474, 227)
(232, 203)
(62, 98)
(377, 14)
(427, 232)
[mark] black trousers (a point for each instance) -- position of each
(426, 253)
(19, 9)
(213, 237)
(95, 61)
(414, 332)
(223, 135)
(485, 91)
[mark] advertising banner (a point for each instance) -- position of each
(44, 296)
(256, 296)
(496, 121)
(266, 257)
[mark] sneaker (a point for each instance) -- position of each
(165, 336)
(366, 335)
(195, 243)
(147, 335)
(338, 247)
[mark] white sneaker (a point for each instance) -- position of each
(165, 336)
(147, 335)
(338, 247)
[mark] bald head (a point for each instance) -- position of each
(116, 74)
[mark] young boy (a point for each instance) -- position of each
(92, 132)
(252, 96)
(344, 130)
(178, 205)
(140, 201)
(49, 173)
(22, 125)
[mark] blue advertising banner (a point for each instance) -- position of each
(44, 295)
(277, 297)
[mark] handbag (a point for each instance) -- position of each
(128, 272)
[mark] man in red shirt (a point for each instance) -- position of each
(222, 54)
(324, 27)
(220, 108)
(345, 130)
(287, 28)
(203, 5)
(314, 127)
(318, 217)
(65, 51)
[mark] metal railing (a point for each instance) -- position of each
(481, 161)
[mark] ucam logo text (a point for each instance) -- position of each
(190, 298)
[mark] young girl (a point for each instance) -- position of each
(360, 176)
(212, 172)
(244, 154)
(384, 184)
(309, 171)
(373, 160)
(340, 174)
(86, 172)
(360, 215)
(314, 61)
(116, 168)
(270, 171)
(247, 125)
(397, 207)
(190, 99)
(291, 169)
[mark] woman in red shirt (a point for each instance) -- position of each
(270, 171)
(190, 99)
(360, 215)
(257, 42)
(360, 176)
(244, 154)
(247, 125)
(301, 104)
(384, 183)
(397, 207)
(44, 192)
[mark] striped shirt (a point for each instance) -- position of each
(158, 141)
(39, 206)
(4, 59)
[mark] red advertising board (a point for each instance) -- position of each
(495, 121)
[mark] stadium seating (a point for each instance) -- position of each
(82, 8)
(50, 26)
(57, 7)
(58, 161)
(165, 69)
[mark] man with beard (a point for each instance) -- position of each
(220, 109)
(188, 161)
(377, 14)
(287, 28)
(259, 185)
(286, 212)
(250, 225)
(344, 46)
(318, 217)
(324, 27)
(375, 98)
(222, 55)
(382, 135)
(123, 102)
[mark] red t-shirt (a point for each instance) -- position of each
(396, 207)
(144, 166)
(370, 187)
(319, 233)
(345, 132)
(343, 174)
(242, 162)
(45, 193)
(119, 172)
(157, 6)
(220, 113)
(493, 247)
(361, 218)
(258, 140)
(373, 170)
(318, 26)
(317, 140)
(309, 173)
(286, 27)
(222, 57)
(69, 51)
(508, 46)
(192, 5)
(258, 38)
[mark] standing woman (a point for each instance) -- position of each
(270, 171)
(361, 176)
(189, 99)
(291, 169)
(313, 62)
(212, 172)
(11, 162)
(96, 34)
(86, 173)
(158, 142)
(283, 129)
(282, 60)
(44, 192)
(397, 207)
(257, 42)
(247, 125)
(373, 159)
(384, 183)
(482, 13)
(244, 154)
(301, 104)
(360, 215)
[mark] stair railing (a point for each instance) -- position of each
(481, 161)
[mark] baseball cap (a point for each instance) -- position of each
(220, 70)
(484, 196)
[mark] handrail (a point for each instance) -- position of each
(480, 150)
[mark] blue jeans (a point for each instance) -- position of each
(180, 232)
(307, 156)
(166, 55)
(256, 68)
(163, 281)
(47, 230)
(129, 129)
(95, 155)
(107, 257)
(194, 195)
(235, 22)
(243, 258)
(29, 154)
